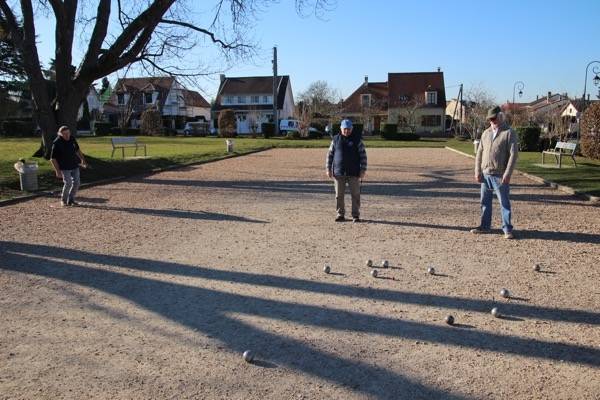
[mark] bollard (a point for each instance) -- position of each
(229, 145)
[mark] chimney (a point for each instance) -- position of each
(537, 97)
(366, 79)
(222, 77)
(548, 98)
(439, 69)
(588, 97)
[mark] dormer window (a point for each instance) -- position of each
(365, 100)
(121, 98)
(148, 98)
(431, 97)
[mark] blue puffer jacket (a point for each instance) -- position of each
(346, 156)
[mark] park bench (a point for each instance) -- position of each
(124, 142)
(562, 149)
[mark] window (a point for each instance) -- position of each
(121, 98)
(148, 98)
(431, 120)
(365, 100)
(403, 98)
(241, 99)
(228, 100)
(254, 99)
(266, 99)
(431, 97)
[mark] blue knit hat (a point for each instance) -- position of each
(346, 123)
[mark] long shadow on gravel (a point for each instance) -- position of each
(207, 310)
(176, 213)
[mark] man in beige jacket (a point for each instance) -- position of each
(494, 164)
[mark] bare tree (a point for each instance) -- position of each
(319, 100)
(409, 112)
(155, 34)
(480, 101)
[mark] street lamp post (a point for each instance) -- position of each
(521, 86)
(595, 71)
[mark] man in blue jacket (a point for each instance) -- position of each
(346, 163)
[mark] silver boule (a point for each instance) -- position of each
(374, 273)
(505, 293)
(537, 267)
(495, 312)
(431, 271)
(327, 269)
(385, 263)
(369, 263)
(248, 356)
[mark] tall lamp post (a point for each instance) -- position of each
(520, 85)
(595, 71)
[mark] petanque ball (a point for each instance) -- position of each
(450, 320)
(537, 267)
(327, 269)
(495, 312)
(374, 273)
(369, 263)
(505, 293)
(385, 263)
(431, 271)
(248, 356)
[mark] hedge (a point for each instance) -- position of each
(267, 129)
(18, 128)
(529, 138)
(102, 128)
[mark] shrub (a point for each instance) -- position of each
(102, 128)
(548, 142)
(151, 122)
(389, 131)
(267, 129)
(227, 124)
(18, 128)
(293, 135)
(529, 138)
(590, 132)
(315, 135)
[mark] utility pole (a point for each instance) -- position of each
(275, 116)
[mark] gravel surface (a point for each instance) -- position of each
(155, 286)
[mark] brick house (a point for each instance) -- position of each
(405, 96)
(251, 98)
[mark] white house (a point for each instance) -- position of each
(251, 98)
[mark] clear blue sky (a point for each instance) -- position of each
(545, 44)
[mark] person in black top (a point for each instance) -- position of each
(66, 157)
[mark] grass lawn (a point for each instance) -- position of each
(585, 178)
(162, 152)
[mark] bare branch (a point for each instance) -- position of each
(212, 36)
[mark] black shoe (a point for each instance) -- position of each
(340, 218)
(73, 203)
(355, 219)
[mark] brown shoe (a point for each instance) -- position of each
(479, 231)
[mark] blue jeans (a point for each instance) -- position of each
(493, 183)
(71, 182)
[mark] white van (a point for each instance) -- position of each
(289, 125)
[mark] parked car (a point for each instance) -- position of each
(196, 128)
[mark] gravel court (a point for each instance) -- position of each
(155, 287)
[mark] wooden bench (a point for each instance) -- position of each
(562, 149)
(124, 142)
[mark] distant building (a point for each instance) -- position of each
(251, 98)
(419, 96)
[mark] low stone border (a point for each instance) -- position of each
(553, 185)
(31, 196)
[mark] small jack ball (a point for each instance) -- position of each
(248, 356)
(537, 267)
(505, 293)
(495, 312)
(374, 273)
(369, 263)
(327, 269)
(431, 271)
(385, 263)
(450, 320)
